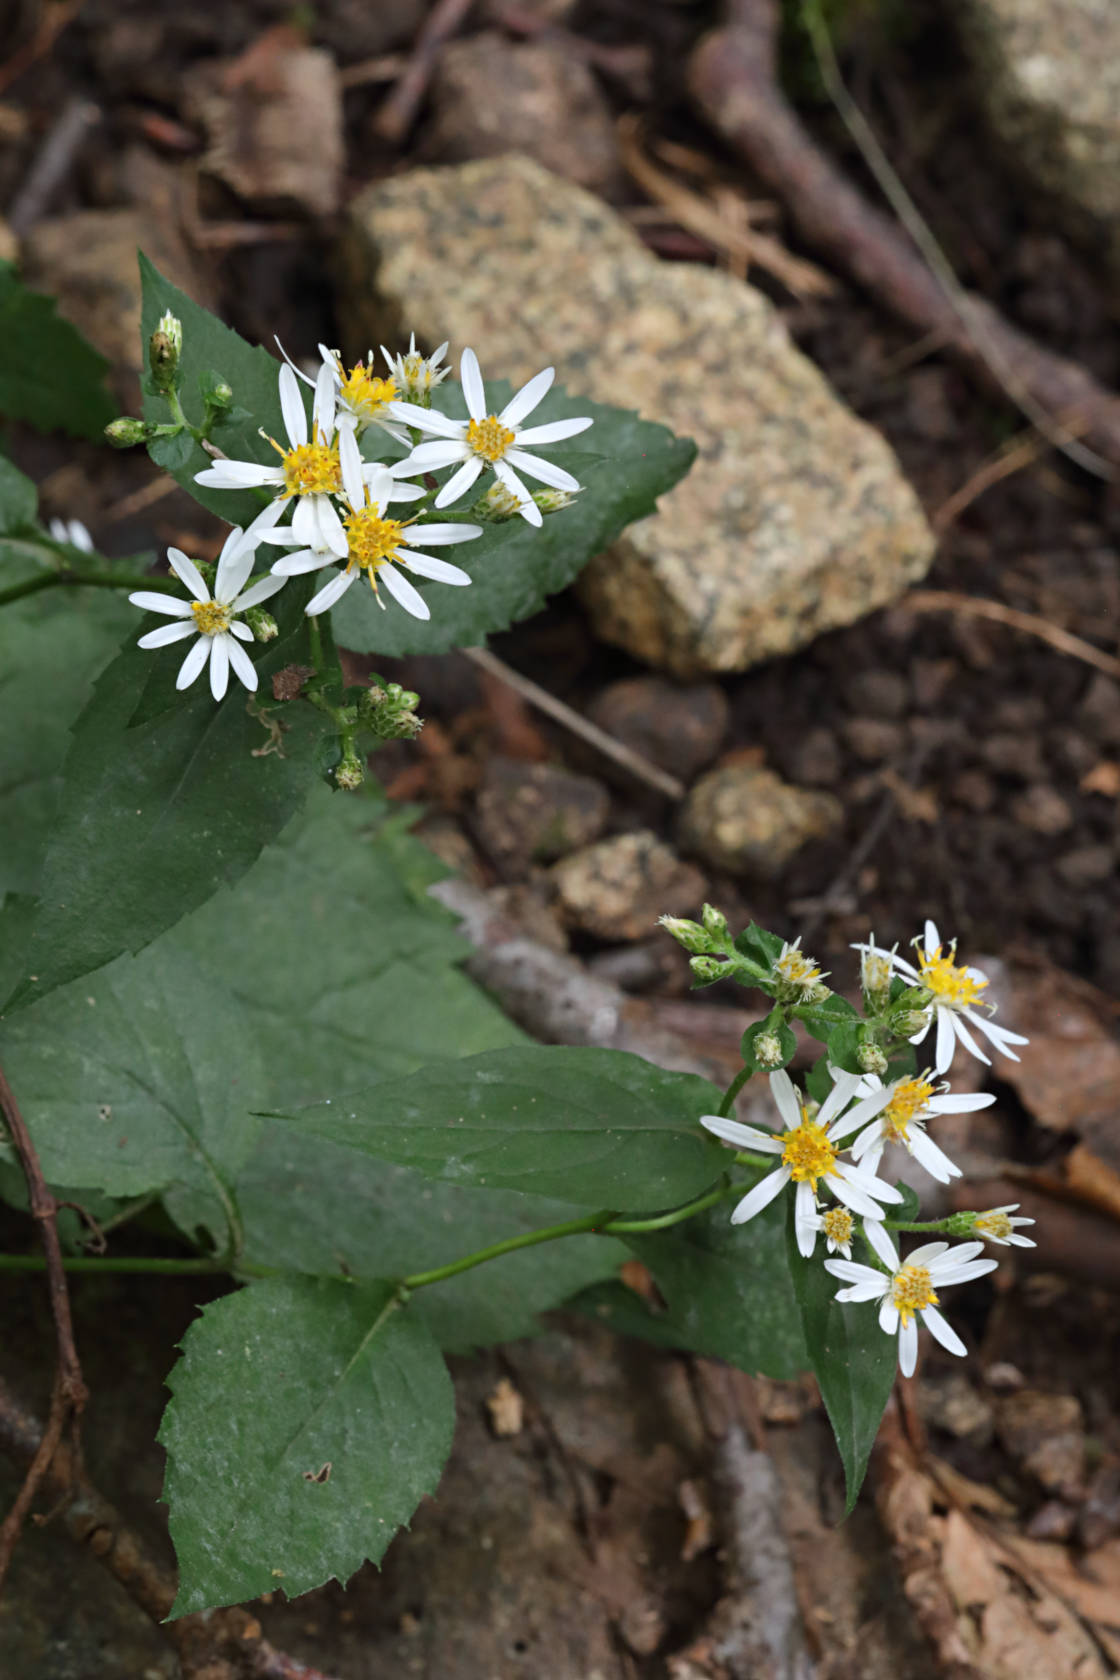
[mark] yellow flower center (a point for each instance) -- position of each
(210, 617)
(373, 541)
(808, 1153)
(993, 1225)
(489, 438)
(364, 393)
(908, 1102)
(312, 470)
(796, 969)
(837, 1224)
(951, 984)
(911, 1290)
(876, 972)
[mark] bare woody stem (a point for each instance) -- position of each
(68, 1390)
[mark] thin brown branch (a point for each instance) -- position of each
(971, 606)
(733, 81)
(52, 163)
(68, 1390)
(395, 117)
(54, 22)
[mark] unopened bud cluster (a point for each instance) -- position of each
(390, 711)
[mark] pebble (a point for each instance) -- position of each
(681, 728)
(748, 821)
(1042, 809)
(873, 739)
(878, 694)
(1099, 712)
(816, 758)
(618, 888)
(534, 813)
(1015, 755)
(1086, 864)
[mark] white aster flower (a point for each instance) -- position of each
(376, 544)
(416, 376)
(955, 989)
(794, 975)
(212, 618)
(838, 1227)
(808, 1152)
(363, 396)
(71, 531)
(490, 440)
(911, 1288)
(309, 473)
(998, 1226)
(897, 1113)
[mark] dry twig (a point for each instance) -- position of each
(68, 1390)
(732, 76)
(52, 163)
(395, 117)
(947, 600)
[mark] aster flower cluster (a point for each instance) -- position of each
(863, 1114)
(334, 510)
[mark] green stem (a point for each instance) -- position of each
(733, 1090)
(133, 1263)
(662, 1221)
(94, 580)
(942, 1225)
(315, 638)
(171, 398)
(597, 1222)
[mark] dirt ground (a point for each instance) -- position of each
(979, 772)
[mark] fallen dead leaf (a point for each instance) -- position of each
(1093, 1179)
(1102, 778)
(1092, 1587)
(979, 1496)
(1068, 1076)
(699, 1533)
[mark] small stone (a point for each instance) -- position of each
(1018, 712)
(873, 739)
(750, 822)
(506, 1408)
(1099, 712)
(491, 95)
(794, 519)
(1053, 1520)
(1086, 864)
(679, 728)
(1099, 1517)
(973, 790)
(951, 1403)
(816, 758)
(1045, 1433)
(878, 694)
(618, 888)
(1071, 751)
(1015, 755)
(929, 678)
(524, 903)
(534, 813)
(1042, 809)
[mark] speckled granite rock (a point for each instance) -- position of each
(1048, 72)
(795, 518)
(749, 822)
(618, 888)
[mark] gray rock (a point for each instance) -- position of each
(679, 728)
(1048, 73)
(749, 822)
(491, 95)
(533, 813)
(795, 518)
(618, 889)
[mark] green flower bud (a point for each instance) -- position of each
(768, 1050)
(961, 1224)
(908, 1023)
(818, 993)
(164, 349)
(172, 329)
(551, 501)
(715, 924)
(708, 968)
(262, 624)
(871, 1059)
(349, 773)
(496, 506)
(126, 432)
(390, 712)
(689, 934)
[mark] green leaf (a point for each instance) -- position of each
(143, 1077)
(51, 646)
(821, 1019)
(155, 815)
(19, 499)
(364, 1218)
(308, 1419)
(818, 1080)
(852, 1359)
(253, 373)
(514, 567)
(727, 1289)
(598, 1127)
(844, 1041)
(758, 946)
(49, 375)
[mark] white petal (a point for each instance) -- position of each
(406, 593)
(188, 573)
(929, 1252)
(437, 534)
(239, 659)
(964, 1104)
(908, 1348)
(239, 475)
(306, 560)
(862, 1291)
(553, 431)
(326, 394)
(193, 663)
(932, 940)
(876, 1234)
(526, 400)
(330, 526)
(784, 1093)
(526, 506)
(259, 591)
(426, 419)
(744, 1137)
(805, 1220)
(378, 486)
(863, 1111)
(166, 633)
(761, 1196)
(350, 461)
(291, 405)
(233, 568)
(999, 1036)
(934, 1160)
(460, 482)
(853, 1271)
(851, 1194)
(241, 631)
(426, 565)
(430, 457)
(474, 391)
(888, 1313)
(404, 492)
(946, 1041)
(330, 593)
(219, 666)
(866, 1181)
(870, 1158)
(170, 605)
(297, 371)
(535, 466)
(964, 1274)
(969, 1042)
(942, 1331)
(844, 1088)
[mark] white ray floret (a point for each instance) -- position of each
(71, 531)
(377, 545)
(499, 441)
(897, 1113)
(212, 619)
(956, 991)
(998, 1225)
(363, 396)
(309, 474)
(910, 1288)
(416, 376)
(808, 1155)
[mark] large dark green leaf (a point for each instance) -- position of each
(49, 375)
(598, 1127)
(514, 567)
(155, 815)
(853, 1361)
(308, 1419)
(19, 499)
